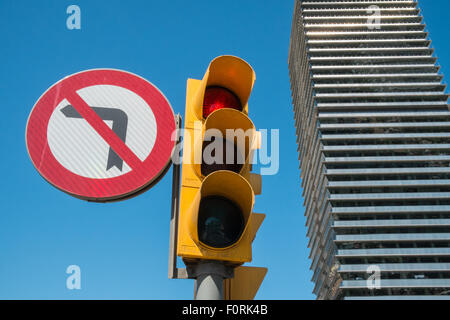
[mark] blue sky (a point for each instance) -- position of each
(122, 248)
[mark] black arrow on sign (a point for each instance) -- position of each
(119, 127)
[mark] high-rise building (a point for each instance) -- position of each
(373, 129)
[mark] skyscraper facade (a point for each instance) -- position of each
(373, 128)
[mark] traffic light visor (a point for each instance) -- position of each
(231, 73)
(225, 144)
(221, 210)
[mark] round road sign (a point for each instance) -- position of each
(101, 135)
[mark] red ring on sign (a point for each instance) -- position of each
(142, 174)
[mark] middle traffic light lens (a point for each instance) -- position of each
(220, 222)
(218, 98)
(221, 154)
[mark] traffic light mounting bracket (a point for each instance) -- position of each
(174, 271)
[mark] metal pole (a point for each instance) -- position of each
(209, 278)
(174, 272)
(209, 287)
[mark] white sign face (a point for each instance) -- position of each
(78, 147)
(101, 135)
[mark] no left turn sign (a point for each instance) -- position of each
(101, 135)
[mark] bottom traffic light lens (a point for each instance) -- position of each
(220, 222)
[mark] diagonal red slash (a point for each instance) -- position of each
(122, 150)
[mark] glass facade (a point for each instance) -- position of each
(373, 128)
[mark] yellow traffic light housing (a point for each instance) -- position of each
(238, 133)
(227, 72)
(216, 219)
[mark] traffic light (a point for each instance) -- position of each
(216, 219)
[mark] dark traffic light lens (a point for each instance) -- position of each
(220, 222)
(215, 157)
(218, 98)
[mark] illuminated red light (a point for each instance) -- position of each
(219, 98)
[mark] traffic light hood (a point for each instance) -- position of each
(229, 72)
(227, 185)
(234, 127)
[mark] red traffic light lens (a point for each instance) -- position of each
(219, 98)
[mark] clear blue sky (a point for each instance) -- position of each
(122, 248)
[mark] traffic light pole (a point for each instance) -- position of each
(209, 278)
